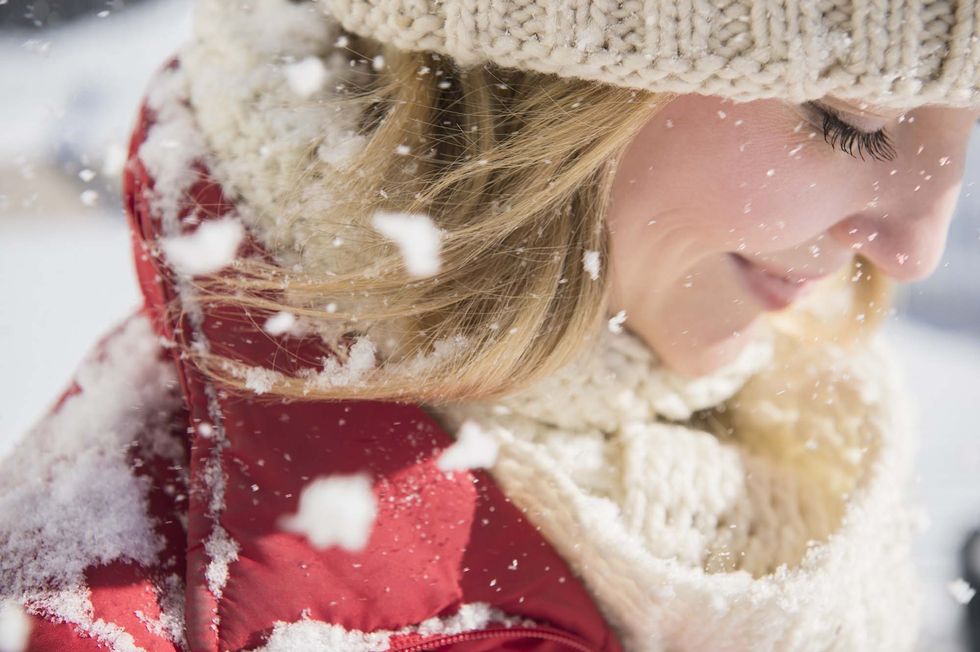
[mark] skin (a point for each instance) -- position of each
(706, 177)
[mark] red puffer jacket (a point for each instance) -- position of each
(450, 563)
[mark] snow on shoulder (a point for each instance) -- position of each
(359, 361)
(73, 472)
(417, 237)
(335, 510)
(170, 152)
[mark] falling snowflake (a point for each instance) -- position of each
(280, 323)
(336, 510)
(417, 237)
(616, 322)
(89, 197)
(590, 262)
(208, 249)
(306, 76)
(473, 448)
(961, 590)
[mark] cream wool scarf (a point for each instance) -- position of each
(792, 533)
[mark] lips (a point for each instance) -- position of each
(774, 292)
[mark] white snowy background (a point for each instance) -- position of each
(69, 98)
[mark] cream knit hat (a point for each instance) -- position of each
(896, 53)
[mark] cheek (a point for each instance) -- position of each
(796, 203)
(740, 182)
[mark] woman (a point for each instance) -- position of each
(629, 259)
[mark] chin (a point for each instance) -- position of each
(695, 330)
(707, 355)
(703, 361)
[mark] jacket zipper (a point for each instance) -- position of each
(512, 632)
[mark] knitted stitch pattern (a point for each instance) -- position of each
(790, 534)
(895, 53)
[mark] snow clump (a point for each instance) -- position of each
(961, 590)
(306, 76)
(15, 627)
(261, 380)
(74, 471)
(308, 634)
(360, 362)
(221, 550)
(280, 323)
(417, 237)
(335, 372)
(335, 510)
(590, 262)
(89, 198)
(210, 248)
(473, 448)
(616, 322)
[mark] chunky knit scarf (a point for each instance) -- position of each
(788, 532)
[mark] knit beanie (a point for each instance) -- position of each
(892, 53)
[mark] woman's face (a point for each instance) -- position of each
(722, 211)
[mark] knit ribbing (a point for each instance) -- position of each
(898, 53)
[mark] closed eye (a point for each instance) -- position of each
(851, 140)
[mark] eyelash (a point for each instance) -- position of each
(847, 138)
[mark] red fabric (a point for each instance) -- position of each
(439, 541)
(48, 635)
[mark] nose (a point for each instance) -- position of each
(903, 231)
(907, 242)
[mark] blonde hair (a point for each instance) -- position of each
(515, 167)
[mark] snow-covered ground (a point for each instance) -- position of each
(66, 274)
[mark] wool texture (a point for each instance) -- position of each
(791, 532)
(892, 53)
